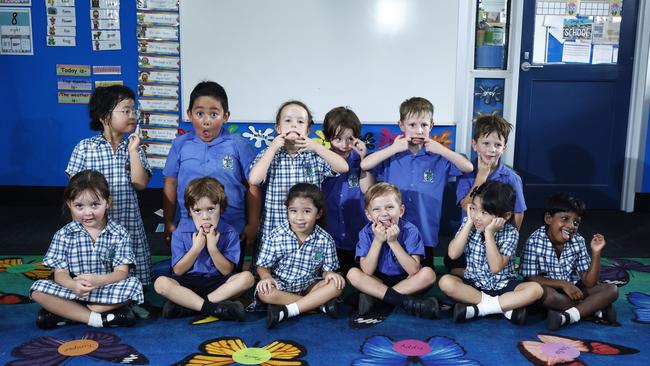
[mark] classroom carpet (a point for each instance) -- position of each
(316, 339)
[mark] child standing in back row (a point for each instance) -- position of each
(122, 162)
(90, 258)
(292, 158)
(420, 167)
(344, 193)
(211, 151)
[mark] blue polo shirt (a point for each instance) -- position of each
(501, 174)
(344, 204)
(227, 158)
(228, 245)
(409, 237)
(421, 178)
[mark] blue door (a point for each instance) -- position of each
(574, 94)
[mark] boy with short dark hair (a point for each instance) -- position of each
(420, 167)
(555, 256)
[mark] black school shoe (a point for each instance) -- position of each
(422, 307)
(557, 319)
(332, 308)
(609, 313)
(171, 310)
(273, 315)
(48, 320)
(229, 310)
(460, 312)
(120, 317)
(366, 302)
(518, 316)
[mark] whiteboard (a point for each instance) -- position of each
(369, 55)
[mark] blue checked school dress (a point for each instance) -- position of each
(73, 249)
(97, 154)
(296, 267)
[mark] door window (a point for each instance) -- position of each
(491, 42)
(576, 31)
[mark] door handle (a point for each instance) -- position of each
(525, 66)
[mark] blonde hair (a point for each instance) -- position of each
(415, 106)
(382, 189)
(205, 187)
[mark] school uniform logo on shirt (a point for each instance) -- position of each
(227, 162)
(318, 256)
(353, 180)
(428, 176)
(309, 171)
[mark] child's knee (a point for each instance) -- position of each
(611, 290)
(427, 275)
(162, 285)
(354, 275)
(246, 278)
(536, 290)
(266, 297)
(446, 283)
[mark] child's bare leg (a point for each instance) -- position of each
(524, 294)
(422, 280)
(319, 294)
(183, 296)
(278, 297)
(367, 284)
(234, 286)
(554, 299)
(65, 308)
(454, 287)
(597, 298)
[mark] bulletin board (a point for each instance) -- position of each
(369, 55)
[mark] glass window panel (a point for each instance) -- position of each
(577, 32)
(492, 28)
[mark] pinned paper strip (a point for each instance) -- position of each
(61, 10)
(73, 98)
(107, 45)
(96, 24)
(156, 18)
(157, 32)
(74, 84)
(157, 90)
(107, 70)
(157, 4)
(104, 83)
(72, 70)
(149, 133)
(165, 62)
(167, 48)
(61, 41)
(156, 148)
(160, 119)
(159, 76)
(150, 104)
(157, 162)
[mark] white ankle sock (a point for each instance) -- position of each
(508, 314)
(488, 305)
(574, 314)
(95, 320)
(293, 310)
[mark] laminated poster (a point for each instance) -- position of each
(107, 70)
(157, 18)
(157, 5)
(166, 48)
(159, 119)
(163, 62)
(158, 133)
(16, 31)
(73, 84)
(72, 70)
(157, 162)
(157, 90)
(65, 11)
(159, 76)
(156, 148)
(157, 32)
(104, 83)
(73, 97)
(151, 104)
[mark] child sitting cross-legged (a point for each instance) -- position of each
(489, 241)
(205, 252)
(390, 250)
(297, 261)
(556, 257)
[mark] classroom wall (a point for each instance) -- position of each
(39, 133)
(645, 187)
